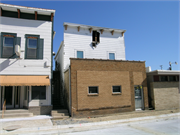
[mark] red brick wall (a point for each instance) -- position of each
(105, 74)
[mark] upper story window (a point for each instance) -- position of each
(112, 56)
(80, 54)
(96, 37)
(34, 47)
(7, 44)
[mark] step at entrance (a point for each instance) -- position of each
(59, 114)
(16, 113)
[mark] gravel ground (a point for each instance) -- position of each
(109, 117)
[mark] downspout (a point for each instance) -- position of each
(70, 90)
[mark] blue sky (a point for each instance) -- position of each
(152, 27)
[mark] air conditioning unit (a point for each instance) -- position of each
(94, 43)
(18, 50)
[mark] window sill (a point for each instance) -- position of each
(93, 94)
(116, 93)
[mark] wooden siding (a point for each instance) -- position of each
(74, 41)
(27, 66)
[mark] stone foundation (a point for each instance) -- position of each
(40, 110)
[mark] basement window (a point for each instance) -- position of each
(93, 90)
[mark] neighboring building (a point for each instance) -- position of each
(94, 75)
(163, 89)
(26, 80)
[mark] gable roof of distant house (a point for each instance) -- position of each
(24, 9)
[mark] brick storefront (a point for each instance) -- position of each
(104, 74)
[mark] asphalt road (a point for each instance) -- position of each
(159, 127)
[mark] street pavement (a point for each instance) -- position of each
(159, 127)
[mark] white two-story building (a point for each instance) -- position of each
(84, 41)
(25, 80)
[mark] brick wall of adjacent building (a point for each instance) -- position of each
(166, 95)
(66, 88)
(105, 74)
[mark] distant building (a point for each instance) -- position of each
(25, 81)
(163, 89)
(95, 77)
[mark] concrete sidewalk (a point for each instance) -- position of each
(41, 124)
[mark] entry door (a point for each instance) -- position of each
(138, 97)
(7, 96)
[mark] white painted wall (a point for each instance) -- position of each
(25, 66)
(74, 41)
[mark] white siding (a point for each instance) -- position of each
(24, 66)
(74, 40)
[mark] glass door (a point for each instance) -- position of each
(138, 97)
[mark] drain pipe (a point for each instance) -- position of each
(70, 90)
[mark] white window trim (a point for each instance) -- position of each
(93, 93)
(117, 92)
(111, 52)
(75, 52)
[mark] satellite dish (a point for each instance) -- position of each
(17, 50)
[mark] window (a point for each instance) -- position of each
(172, 78)
(96, 37)
(93, 90)
(112, 56)
(164, 78)
(80, 54)
(116, 89)
(156, 78)
(39, 92)
(34, 47)
(7, 45)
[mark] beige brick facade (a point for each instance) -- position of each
(105, 74)
(166, 95)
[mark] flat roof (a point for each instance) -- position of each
(105, 60)
(94, 27)
(24, 9)
(163, 72)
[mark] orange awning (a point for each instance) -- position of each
(6, 80)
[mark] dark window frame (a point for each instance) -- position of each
(11, 35)
(96, 36)
(172, 80)
(93, 87)
(116, 86)
(40, 93)
(166, 78)
(39, 46)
